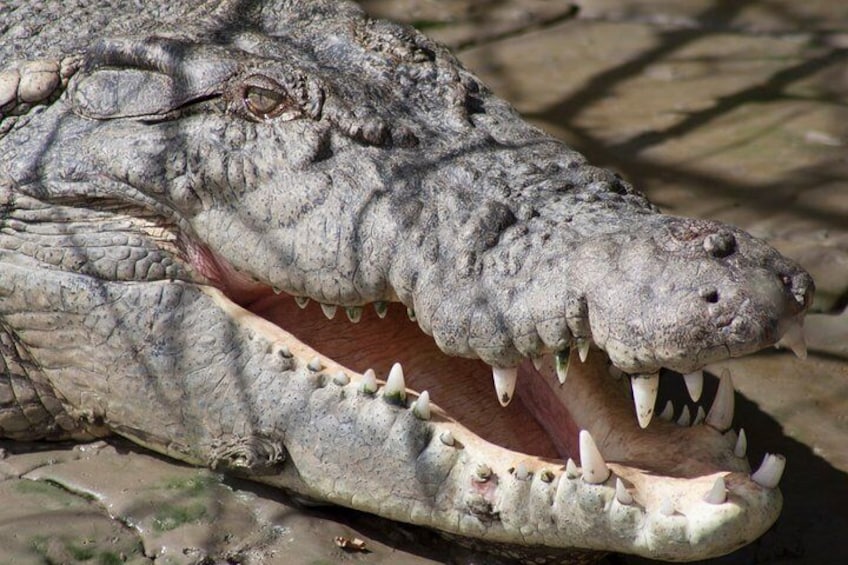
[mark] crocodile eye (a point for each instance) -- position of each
(263, 102)
(268, 100)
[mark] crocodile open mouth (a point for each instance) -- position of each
(676, 486)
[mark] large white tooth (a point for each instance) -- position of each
(504, 383)
(369, 382)
(684, 419)
(354, 313)
(694, 384)
(562, 360)
(395, 386)
(667, 413)
(595, 470)
(421, 408)
(410, 313)
(301, 301)
(741, 447)
(329, 310)
(770, 472)
(645, 396)
(794, 340)
(718, 493)
(621, 493)
(721, 413)
(583, 349)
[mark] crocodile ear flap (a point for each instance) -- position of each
(146, 79)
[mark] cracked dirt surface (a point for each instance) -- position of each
(716, 108)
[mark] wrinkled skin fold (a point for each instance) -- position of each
(176, 184)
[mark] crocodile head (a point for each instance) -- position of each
(289, 154)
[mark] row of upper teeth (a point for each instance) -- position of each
(354, 313)
(644, 386)
(593, 469)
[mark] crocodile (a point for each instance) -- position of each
(221, 223)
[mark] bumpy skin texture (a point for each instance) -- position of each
(305, 147)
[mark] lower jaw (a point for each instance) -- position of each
(662, 490)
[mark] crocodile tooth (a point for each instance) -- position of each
(395, 387)
(447, 438)
(595, 470)
(421, 407)
(411, 314)
(721, 413)
(301, 301)
(277, 290)
(381, 308)
(718, 493)
(537, 363)
(504, 383)
(699, 416)
(583, 349)
(770, 471)
(562, 365)
(621, 493)
(667, 413)
(341, 378)
(354, 313)
(571, 470)
(684, 419)
(794, 340)
(694, 384)
(645, 396)
(369, 382)
(315, 364)
(521, 471)
(329, 310)
(741, 447)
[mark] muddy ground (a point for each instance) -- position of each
(715, 108)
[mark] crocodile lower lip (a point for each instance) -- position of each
(671, 484)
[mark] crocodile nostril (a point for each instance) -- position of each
(720, 244)
(709, 295)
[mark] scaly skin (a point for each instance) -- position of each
(157, 181)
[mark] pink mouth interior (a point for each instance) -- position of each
(461, 387)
